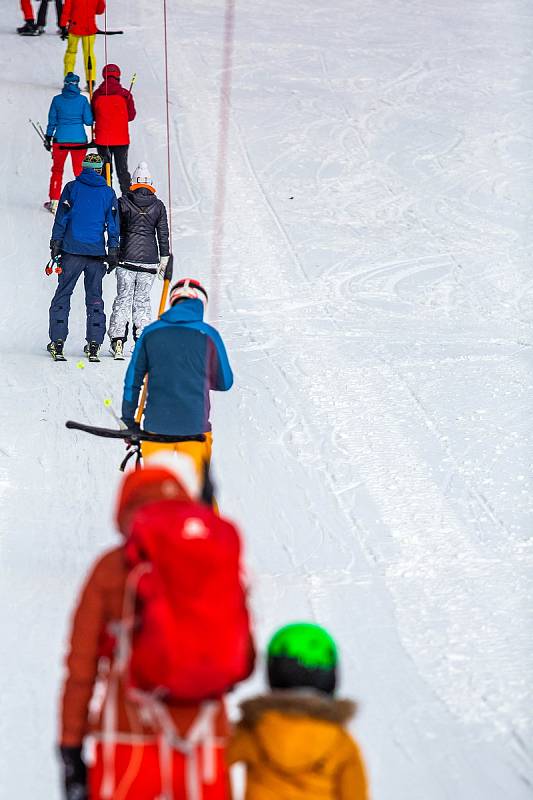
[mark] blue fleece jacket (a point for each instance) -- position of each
(87, 208)
(184, 358)
(69, 112)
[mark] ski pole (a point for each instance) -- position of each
(108, 404)
(162, 304)
(90, 76)
(38, 130)
(132, 81)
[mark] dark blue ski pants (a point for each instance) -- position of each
(94, 271)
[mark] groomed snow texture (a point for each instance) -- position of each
(376, 299)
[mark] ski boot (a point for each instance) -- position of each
(56, 350)
(117, 348)
(91, 351)
(29, 29)
(51, 206)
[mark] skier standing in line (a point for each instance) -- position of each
(78, 22)
(293, 740)
(183, 359)
(113, 109)
(152, 743)
(69, 113)
(144, 251)
(88, 208)
(32, 28)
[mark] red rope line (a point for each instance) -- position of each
(167, 103)
(217, 243)
(105, 42)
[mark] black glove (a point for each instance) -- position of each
(133, 427)
(75, 773)
(47, 143)
(112, 259)
(64, 33)
(55, 248)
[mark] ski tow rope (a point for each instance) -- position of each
(217, 242)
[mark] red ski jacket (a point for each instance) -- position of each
(113, 109)
(79, 15)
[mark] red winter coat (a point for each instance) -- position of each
(79, 15)
(113, 109)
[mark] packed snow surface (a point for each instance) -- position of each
(376, 300)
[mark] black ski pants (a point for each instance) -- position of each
(43, 8)
(93, 272)
(118, 153)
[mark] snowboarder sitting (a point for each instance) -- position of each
(183, 359)
(167, 742)
(293, 740)
(78, 22)
(69, 113)
(88, 208)
(144, 251)
(113, 109)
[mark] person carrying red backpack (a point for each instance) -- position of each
(113, 109)
(162, 628)
(78, 22)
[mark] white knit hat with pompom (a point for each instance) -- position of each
(142, 175)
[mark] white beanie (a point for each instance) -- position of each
(142, 175)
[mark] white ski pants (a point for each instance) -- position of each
(132, 301)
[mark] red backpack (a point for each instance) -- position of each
(185, 604)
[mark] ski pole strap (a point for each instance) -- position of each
(133, 436)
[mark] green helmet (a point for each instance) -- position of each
(308, 644)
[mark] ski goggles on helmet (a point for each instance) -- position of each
(188, 289)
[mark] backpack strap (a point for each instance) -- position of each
(118, 671)
(200, 734)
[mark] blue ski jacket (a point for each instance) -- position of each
(184, 358)
(87, 208)
(69, 112)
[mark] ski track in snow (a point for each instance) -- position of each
(376, 303)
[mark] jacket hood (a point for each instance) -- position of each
(141, 197)
(296, 730)
(91, 178)
(70, 90)
(186, 311)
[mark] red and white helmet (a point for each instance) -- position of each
(188, 289)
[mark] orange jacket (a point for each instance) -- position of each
(79, 15)
(295, 747)
(99, 610)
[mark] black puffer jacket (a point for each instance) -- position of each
(143, 225)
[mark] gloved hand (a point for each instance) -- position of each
(112, 259)
(64, 33)
(55, 247)
(162, 267)
(75, 773)
(47, 143)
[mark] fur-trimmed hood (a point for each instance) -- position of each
(298, 704)
(296, 731)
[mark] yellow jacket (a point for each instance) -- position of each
(295, 747)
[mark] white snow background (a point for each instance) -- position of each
(376, 301)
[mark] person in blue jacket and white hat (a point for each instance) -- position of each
(87, 213)
(69, 112)
(183, 359)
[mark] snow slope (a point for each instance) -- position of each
(375, 297)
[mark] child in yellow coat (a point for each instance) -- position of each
(293, 740)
